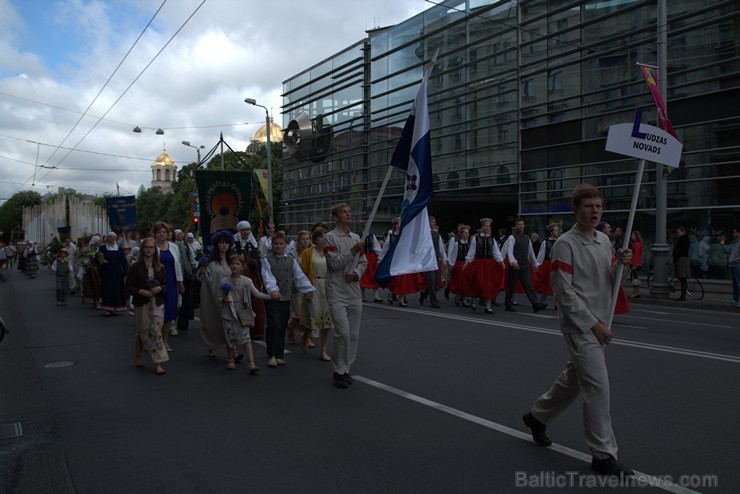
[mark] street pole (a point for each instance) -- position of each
(661, 250)
(253, 102)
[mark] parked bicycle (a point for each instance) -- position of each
(694, 288)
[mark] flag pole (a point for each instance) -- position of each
(626, 243)
(371, 218)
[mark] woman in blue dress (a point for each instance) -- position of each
(169, 257)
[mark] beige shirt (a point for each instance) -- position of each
(582, 276)
(340, 261)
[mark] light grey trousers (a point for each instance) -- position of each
(346, 317)
(585, 375)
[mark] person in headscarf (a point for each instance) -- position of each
(245, 244)
(112, 276)
(30, 255)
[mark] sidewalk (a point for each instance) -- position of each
(711, 301)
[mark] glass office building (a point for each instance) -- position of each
(520, 101)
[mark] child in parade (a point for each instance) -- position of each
(237, 315)
(62, 270)
(146, 283)
(281, 274)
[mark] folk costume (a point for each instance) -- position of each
(485, 268)
(457, 250)
(239, 296)
(282, 274)
(112, 277)
(249, 249)
(372, 250)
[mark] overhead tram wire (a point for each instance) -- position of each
(104, 86)
(130, 85)
(123, 124)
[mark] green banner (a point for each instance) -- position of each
(225, 199)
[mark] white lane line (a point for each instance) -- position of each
(622, 316)
(541, 316)
(617, 323)
(556, 332)
(559, 448)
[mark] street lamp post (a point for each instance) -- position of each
(197, 149)
(253, 102)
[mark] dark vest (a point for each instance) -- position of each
(282, 270)
(62, 269)
(521, 248)
(462, 250)
(483, 247)
(369, 243)
(435, 241)
(549, 242)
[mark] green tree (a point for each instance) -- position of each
(11, 212)
(152, 206)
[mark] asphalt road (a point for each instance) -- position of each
(436, 405)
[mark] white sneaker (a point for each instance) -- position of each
(174, 332)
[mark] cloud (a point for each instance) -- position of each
(55, 57)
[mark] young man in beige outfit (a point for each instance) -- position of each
(582, 278)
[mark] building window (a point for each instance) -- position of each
(555, 81)
(528, 88)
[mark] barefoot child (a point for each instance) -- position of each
(236, 311)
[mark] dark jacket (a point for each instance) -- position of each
(136, 280)
(681, 247)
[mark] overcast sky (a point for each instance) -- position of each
(56, 56)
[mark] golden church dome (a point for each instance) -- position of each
(276, 133)
(164, 160)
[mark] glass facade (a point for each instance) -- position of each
(520, 102)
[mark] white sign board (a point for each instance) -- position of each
(648, 143)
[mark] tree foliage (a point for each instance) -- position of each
(11, 212)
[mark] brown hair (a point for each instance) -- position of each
(159, 225)
(237, 257)
(280, 235)
(583, 192)
(337, 207)
(156, 265)
(317, 232)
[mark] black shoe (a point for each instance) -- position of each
(515, 303)
(474, 307)
(378, 300)
(538, 430)
(495, 304)
(402, 304)
(422, 296)
(348, 379)
(539, 307)
(447, 293)
(436, 305)
(340, 381)
(610, 466)
(510, 308)
(488, 311)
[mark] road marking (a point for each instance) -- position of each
(541, 316)
(678, 322)
(556, 332)
(559, 448)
